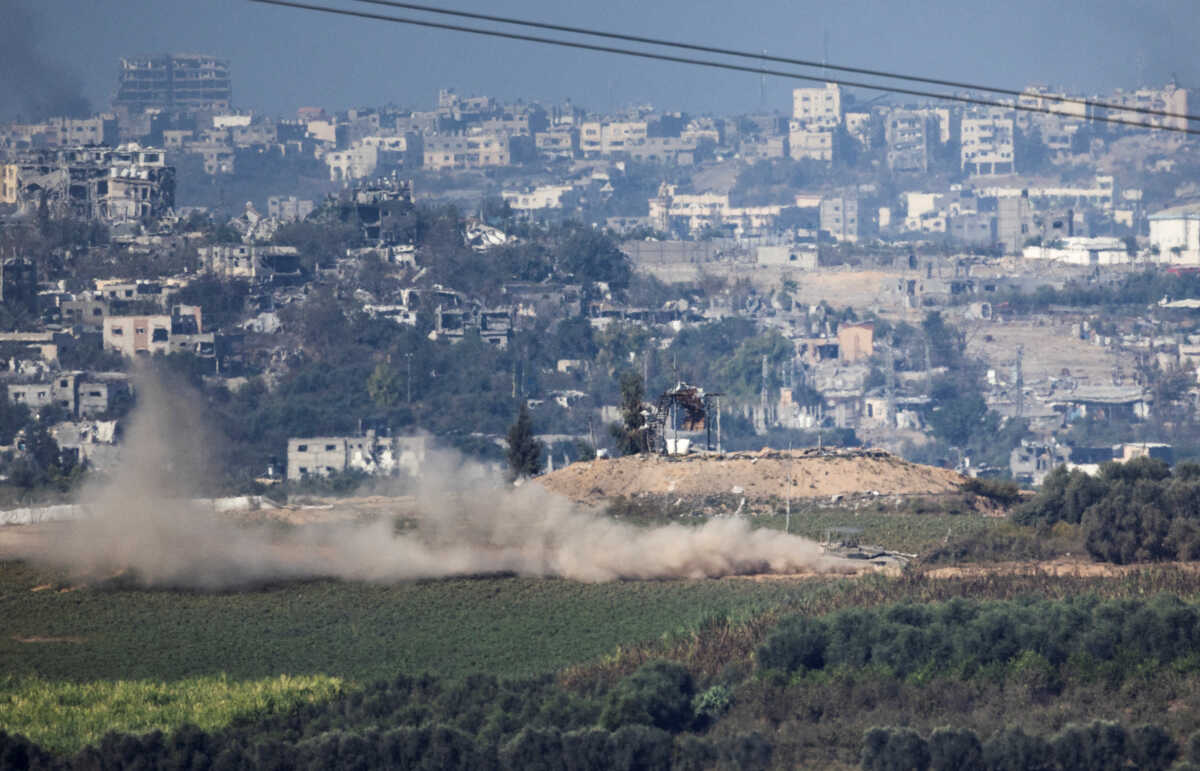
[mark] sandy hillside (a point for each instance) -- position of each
(756, 475)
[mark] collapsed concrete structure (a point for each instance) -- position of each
(109, 184)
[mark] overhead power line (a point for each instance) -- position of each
(763, 56)
(704, 63)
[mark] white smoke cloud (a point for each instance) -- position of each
(467, 522)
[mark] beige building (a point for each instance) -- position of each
(818, 106)
(346, 166)
(987, 142)
(908, 134)
(856, 342)
(604, 138)
(544, 197)
(840, 217)
(10, 182)
(92, 182)
(161, 334)
(753, 149)
(1170, 98)
(1042, 98)
(559, 142)
(677, 150)
(379, 456)
(697, 212)
(812, 142)
(217, 157)
(250, 261)
(78, 393)
(467, 151)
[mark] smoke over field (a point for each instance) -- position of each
(466, 522)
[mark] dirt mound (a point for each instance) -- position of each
(762, 475)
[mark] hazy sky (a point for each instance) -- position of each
(283, 58)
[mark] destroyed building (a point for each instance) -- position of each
(371, 453)
(18, 284)
(542, 299)
(173, 82)
(119, 184)
(381, 209)
(255, 262)
(113, 297)
(494, 325)
(79, 393)
(178, 332)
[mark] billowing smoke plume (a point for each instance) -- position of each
(467, 522)
(33, 85)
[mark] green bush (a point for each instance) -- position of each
(712, 703)
(1003, 491)
(658, 694)
(894, 749)
(796, 645)
(952, 749)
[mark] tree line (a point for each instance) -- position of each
(1138, 511)
(1039, 640)
(1098, 746)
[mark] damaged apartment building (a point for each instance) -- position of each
(382, 210)
(258, 262)
(455, 317)
(80, 394)
(178, 332)
(108, 184)
(369, 452)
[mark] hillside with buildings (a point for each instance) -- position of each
(912, 276)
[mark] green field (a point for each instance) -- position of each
(219, 653)
(63, 716)
(355, 631)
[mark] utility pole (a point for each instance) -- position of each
(1019, 381)
(718, 424)
(763, 394)
(787, 523)
(890, 383)
(928, 370)
(408, 366)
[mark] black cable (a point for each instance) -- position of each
(779, 59)
(702, 63)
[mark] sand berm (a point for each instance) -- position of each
(756, 475)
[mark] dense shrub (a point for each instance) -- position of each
(952, 749)
(1014, 750)
(658, 694)
(1002, 491)
(1100, 746)
(894, 749)
(1132, 512)
(1031, 641)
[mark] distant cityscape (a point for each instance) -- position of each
(974, 177)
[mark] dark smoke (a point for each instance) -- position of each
(34, 85)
